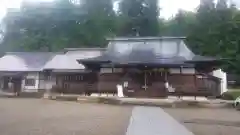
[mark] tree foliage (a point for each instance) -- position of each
(140, 17)
(180, 25)
(215, 32)
(212, 31)
(57, 25)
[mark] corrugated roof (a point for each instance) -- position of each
(68, 61)
(24, 61)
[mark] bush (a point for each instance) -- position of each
(235, 94)
(230, 95)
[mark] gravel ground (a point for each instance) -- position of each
(45, 117)
(208, 121)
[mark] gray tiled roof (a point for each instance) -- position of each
(85, 49)
(62, 62)
(68, 60)
(143, 38)
(148, 50)
(25, 61)
(38, 61)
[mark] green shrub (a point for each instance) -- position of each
(230, 95)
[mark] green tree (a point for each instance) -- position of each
(215, 33)
(99, 21)
(60, 24)
(180, 25)
(140, 17)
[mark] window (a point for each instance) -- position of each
(29, 82)
(79, 78)
(66, 85)
(106, 70)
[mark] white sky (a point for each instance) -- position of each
(171, 7)
(168, 7)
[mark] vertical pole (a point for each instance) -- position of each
(195, 79)
(99, 77)
(62, 79)
(39, 81)
(166, 83)
(98, 73)
(145, 81)
(165, 75)
(113, 74)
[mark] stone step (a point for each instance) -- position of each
(31, 94)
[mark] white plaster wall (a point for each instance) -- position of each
(31, 75)
(174, 70)
(106, 70)
(184, 70)
(223, 76)
(1, 83)
(188, 71)
(117, 70)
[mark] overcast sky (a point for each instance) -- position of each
(168, 7)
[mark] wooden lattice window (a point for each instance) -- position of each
(30, 82)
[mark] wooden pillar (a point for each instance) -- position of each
(180, 69)
(61, 79)
(180, 93)
(166, 83)
(195, 79)
(98, 79)
(165, 75)
(112, 65)
(145, 79)
(195, 82)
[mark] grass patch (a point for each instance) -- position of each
(235, 94)
(234, 89)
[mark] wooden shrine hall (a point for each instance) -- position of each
(152, 67)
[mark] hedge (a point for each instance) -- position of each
(231, 95)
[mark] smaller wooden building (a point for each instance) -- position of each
(23, 70)
(65, 75)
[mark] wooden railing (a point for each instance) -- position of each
(208, 83)
(195, 85)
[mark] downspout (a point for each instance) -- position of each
(39, 73)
